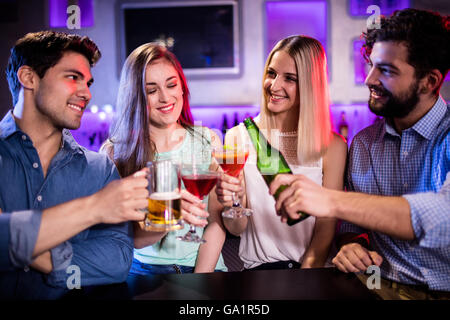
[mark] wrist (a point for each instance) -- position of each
(336, 204)
(87, 205)
(361, 239)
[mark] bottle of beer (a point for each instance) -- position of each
(268, 164)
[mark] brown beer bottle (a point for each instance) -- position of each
(268, 165)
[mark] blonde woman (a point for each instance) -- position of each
(295, 118)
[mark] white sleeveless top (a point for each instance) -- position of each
(266, 239)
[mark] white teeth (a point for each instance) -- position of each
(166, 108)
(277, 97)
(376, 94)
(74, 107)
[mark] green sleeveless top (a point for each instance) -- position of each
(173, 251)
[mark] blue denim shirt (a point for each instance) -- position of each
(415, 165)
(103, 253)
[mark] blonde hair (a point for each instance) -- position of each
(314, 123)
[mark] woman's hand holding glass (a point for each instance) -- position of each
(227, 186)
(193, 209)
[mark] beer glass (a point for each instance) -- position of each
(164, 202)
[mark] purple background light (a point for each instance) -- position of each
(286, 18)
(360, 65)
(359, 7)
(283, 18)
(58, 12)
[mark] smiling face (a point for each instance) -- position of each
(281, 83)
(164, 93)
(394, 90)
(62, 95)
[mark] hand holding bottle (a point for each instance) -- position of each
(271, 163)
(301, 194)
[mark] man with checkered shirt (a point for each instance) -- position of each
(397, 213)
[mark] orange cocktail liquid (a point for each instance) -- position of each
(232, 162)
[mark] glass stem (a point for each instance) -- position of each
(236, 202)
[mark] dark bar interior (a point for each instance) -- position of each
(222, 47)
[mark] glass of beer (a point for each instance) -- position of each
(164, 202)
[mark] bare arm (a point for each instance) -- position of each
(119, 201)
(388, 215)
(209, 252)
(333, 178)
(385, 214)
(143, 238)
(228, 184)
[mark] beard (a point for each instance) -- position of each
(396, 106)
(57, 119)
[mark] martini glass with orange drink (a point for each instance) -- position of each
(232, 160)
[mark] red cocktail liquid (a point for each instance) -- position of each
(199, 184)
(232, 163)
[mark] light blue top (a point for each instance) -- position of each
(174, 251)
(415, 164)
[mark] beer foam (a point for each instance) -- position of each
(165, 196)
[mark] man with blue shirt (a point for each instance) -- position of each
(62, 205)
(397, 216)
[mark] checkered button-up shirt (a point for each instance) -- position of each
(415, 165)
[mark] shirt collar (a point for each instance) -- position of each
(427, 125)
(8, 126)
(69, 142)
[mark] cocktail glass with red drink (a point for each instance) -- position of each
(198, 180)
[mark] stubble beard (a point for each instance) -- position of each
(396, 106)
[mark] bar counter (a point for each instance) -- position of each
(298, 284)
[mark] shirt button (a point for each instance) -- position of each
(35, 165)
(405, 153)
(405, 185)
(26, 269)
(290, 265)
(39, 198)
(24, 137)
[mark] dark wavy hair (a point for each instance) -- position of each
(42, 50)
(425, 34)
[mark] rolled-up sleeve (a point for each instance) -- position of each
(104, 257)
(430, 216)
(103, 254)
(23, 232)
